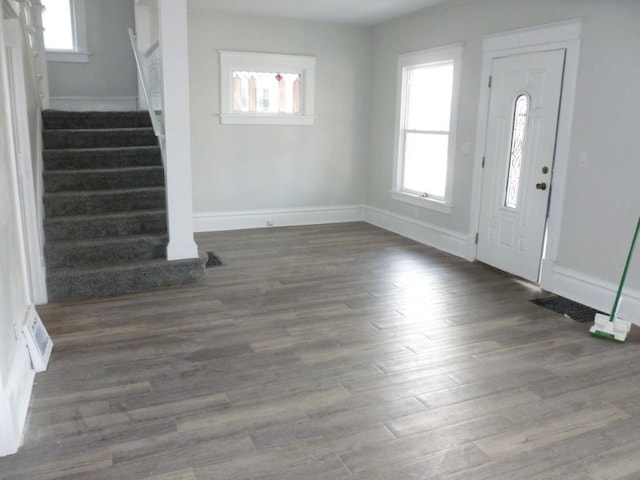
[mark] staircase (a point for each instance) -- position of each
(105, 209)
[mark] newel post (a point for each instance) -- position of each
(175, 78)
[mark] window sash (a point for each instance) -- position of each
(429, 88)
(424, 172)
(60, 30)
(78, 27)
(266, 92)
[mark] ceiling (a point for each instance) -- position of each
(362, 12)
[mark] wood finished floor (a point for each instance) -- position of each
(330, 352)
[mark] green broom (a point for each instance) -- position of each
(611, 327)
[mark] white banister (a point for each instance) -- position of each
(148, 86)
(152, 60)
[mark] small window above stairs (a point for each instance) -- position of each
(105, 207)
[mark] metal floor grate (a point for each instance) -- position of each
(574, 310)
(213, 260)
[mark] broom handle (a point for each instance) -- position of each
(614, 310)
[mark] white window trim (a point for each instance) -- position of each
(447, 53)
(418, 201)
(233, 61)
(80, 52)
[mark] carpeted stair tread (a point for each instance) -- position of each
(58, 119)
(105, 207)
(103, 201)
(109, 137)
(91, 158)
(116, 224)
(103, 179)
(84, 269)
(99, 242)
(99, 252)
(86, 282)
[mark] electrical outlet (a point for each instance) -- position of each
(583, 159)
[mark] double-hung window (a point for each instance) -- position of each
(65, 33)
(429, 84)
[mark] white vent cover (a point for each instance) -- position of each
(38, 341)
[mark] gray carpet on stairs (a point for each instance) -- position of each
(105, 207)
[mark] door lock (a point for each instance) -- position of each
(545, 170)
(541, 186)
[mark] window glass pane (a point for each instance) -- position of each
(266, 92)
(58, 26)
(430, 90)
(425, 163)
(515, 158)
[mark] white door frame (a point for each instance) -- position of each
(31, 221)
(562, 35)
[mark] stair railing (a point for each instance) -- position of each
(148, 65)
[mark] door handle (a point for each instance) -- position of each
(541, 186)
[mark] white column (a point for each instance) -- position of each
(175, 78)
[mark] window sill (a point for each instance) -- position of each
(265, 119)
(67, 56)
(422, 202)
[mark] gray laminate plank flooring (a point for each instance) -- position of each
(330, 352)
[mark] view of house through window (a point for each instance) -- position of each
(266, 92)
(266, 88)
(58, 25)
(429, 83)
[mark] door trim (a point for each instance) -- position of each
(31, 220)
(555, 36)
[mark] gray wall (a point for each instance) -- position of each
(602, 199)
(240, 167)
(111, 71)
(347, 157)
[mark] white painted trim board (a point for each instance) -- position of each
(15, 397)
(446, 240)
(288, 217)
(594, 292)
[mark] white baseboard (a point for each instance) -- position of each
(594, 292)
(87, 104)
(440, 238)
(14, 399)
(240, 220)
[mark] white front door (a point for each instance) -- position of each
(518, 163)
